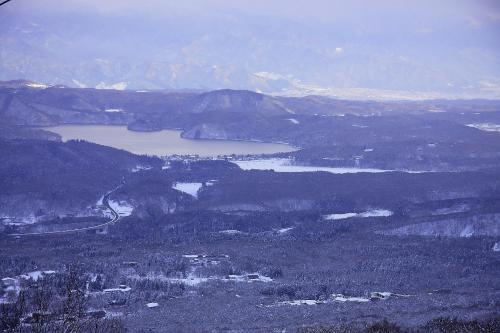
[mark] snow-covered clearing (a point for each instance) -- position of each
(141, 168)
(193, 280)
(285, 165)
(435, 110)
(120, 289)
(340, 298)
(100, 201)
(369, 213)
(189, 188)
(11, 285)
(478, 225)
(121, 207)
(231, 232)
(284, 230)
(301, 302)
(36, 275)
(114, 86)
(36, 85)
(14, 284)
(255, 277)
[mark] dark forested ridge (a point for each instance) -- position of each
(44, 178)
(201, 245)
(426, 135)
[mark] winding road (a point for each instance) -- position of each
(105, 202)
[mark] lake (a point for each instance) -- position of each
(165, 142)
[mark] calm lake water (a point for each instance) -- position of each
(166, 142)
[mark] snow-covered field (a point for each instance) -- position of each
(285, 165)
(121, 207)
(189, 188)
(369, 213)
(488, 127)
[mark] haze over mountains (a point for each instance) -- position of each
(355, 50)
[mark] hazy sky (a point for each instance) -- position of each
(476, 12)
(386, 44)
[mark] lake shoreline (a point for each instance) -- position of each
(164, 142)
